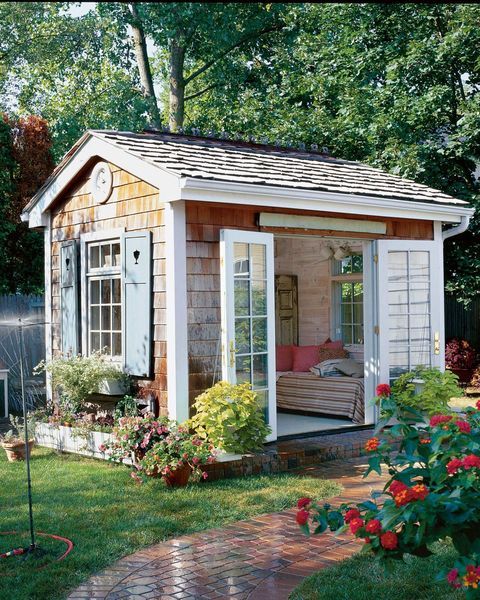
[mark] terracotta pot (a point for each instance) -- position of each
(179, 477)
(16, 450)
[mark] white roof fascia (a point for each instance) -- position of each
(94, 146)
(313, 200)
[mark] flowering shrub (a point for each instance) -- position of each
(433, 493)
(159, 446)
(459, 354)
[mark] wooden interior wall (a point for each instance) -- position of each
(204, 222)
(133, 205)
(294, 256)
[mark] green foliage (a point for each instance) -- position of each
(427, 390)
(17, 432)
(432, 493)
(74, 378)
(230, 417)
(126, 407)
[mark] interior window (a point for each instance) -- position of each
(348, 299)
(104, 298)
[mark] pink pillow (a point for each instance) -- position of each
(284, 357)
(304, 357)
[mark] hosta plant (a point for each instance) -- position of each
(432, 493)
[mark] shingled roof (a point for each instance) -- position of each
(241, 162)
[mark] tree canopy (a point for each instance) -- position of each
(393, 85)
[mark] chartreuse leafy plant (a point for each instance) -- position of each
(432, 494)
(428, 390)
(230, 417)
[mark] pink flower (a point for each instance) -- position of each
(195, 460)
(197, 442)
(205, 475)
(102, 447)
(452, 578)
(463, 426)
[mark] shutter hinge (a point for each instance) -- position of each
(376, 330)
(375, 258)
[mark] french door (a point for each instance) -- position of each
(410, 307)
(248, 315)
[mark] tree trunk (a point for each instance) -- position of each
(144, 66)
(177, 86)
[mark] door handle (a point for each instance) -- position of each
(436, 343)
(232, 354)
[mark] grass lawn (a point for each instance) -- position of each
(107, 515)
(361, 578)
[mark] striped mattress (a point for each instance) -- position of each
(336, 396)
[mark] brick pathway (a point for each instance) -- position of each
(265, 557)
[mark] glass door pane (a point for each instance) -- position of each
(248, 315)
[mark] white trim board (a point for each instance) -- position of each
(321, 223)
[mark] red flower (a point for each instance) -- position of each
(478, 404)
(425, 441)
(374, 526)
(302, 516)
(352, 513)
(420, 491)
(372, 444)
(404, 497)
(472, 577)
(452, 577)
(463, 426)
(471, 461)
(439, 419)
(303, 502)
(397, 486)
(356, 524)
(389, 540)
(383, 390)
(368, 540)
(454, 465)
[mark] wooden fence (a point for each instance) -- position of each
(31, 310)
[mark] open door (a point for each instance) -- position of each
(410, 307)
(248, 315)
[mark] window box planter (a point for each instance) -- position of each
(68, 439)
(112, 387)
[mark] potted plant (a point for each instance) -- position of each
(178, 457)
(230, 417)
(460, 358)
(13, 441)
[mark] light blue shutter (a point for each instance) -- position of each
(137, 302)
(69, 297)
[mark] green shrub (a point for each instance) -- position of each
(432, 396)
(230, 417)
(74, 378)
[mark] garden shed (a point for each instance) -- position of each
(191, 259)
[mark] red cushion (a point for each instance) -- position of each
(284, 357)
(304, 357)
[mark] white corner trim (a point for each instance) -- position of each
(90, 148)
(205, 190)
(47, 239)
(176, 296)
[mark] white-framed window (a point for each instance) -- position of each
(103, 273)
(347, 287)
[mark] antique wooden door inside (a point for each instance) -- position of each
(286, 310)
(248, 315)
